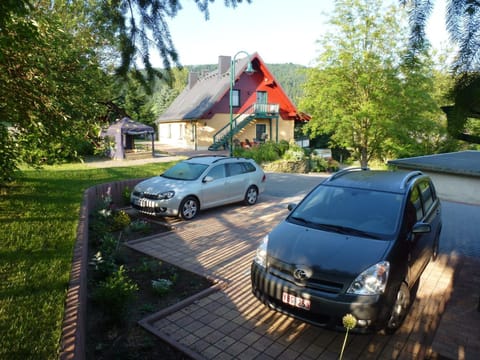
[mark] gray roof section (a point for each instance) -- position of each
(462, 162)
(193, 102)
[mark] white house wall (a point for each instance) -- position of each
(182, 134)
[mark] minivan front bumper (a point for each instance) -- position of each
(325, 309)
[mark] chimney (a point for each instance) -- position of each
(192, 79)
(223, 64)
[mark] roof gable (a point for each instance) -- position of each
(203, 93)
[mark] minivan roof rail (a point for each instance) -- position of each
(346, 171)
(409, 177)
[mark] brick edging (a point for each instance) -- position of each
(72, 342)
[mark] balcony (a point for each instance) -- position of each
(265, 110)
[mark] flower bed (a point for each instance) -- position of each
(122, 283)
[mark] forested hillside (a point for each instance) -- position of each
(291, 77)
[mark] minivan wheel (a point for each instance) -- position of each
(399, 309)
(251, 196)
(188, 208)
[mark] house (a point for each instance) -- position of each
(215, 108)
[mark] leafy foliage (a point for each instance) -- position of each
(291, 77)
(141, 26)
(56, 72)
(463, 25)
(361, 94)
(114, 294)
(50, 81)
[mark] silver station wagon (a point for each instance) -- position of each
(200, 182)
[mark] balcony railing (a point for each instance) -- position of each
(261, 110)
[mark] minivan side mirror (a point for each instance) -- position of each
(421, 228)
(291, 206)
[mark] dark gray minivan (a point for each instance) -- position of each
(356, 244)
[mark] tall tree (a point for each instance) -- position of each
(54, 59)
(463, 25)
(140, 26)
(50, 81)
(358, 93)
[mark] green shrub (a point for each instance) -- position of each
(284, 166)
(108, 244)
(149, 265)
(126, 195)
(162, 286)
(104, 262)
(282, 146)
(140, 226)
(320, 164)
(115, 293)
(103, 265)
(98, 228)
(120, 220)
(294, 154)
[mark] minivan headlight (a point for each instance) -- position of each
(372, 281)
(261, 254)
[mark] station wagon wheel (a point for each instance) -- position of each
(188, 208)
(399, 309)
(251, 196)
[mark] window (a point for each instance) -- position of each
(415, 205)
(240, 168)
(262, 97)
(261, 132)
(427, 196)
(374, 212)
(235, 169)
(181, 134)
(184, 171)
(218, 172)
(235, 98)
(249, 167)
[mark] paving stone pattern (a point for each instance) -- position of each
(228, 322)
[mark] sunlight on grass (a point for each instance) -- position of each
(38, 222)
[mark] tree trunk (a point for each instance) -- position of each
(363, 157)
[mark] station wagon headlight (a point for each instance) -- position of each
(166, 195)
(261, 254)
(372, 281)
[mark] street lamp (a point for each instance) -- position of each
(249, 71)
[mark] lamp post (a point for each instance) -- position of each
(249, 70)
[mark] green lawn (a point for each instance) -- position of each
(38, 222)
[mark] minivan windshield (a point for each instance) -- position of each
(361, 212)
(185, 171)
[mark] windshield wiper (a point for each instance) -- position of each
(301, 219)
(347, 230)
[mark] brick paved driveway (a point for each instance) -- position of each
(227, 322)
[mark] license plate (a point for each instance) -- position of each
(296, 301)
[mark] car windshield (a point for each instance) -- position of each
(352, 211)
(185, 171)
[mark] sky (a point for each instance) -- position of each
(281, 31)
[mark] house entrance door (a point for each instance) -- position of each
(261, 132)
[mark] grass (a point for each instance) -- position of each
(38, 222)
